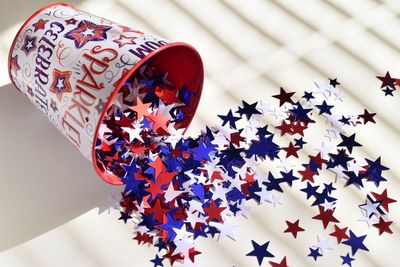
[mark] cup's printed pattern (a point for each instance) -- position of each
(68, 63)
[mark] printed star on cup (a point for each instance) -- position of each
(29, 44)
(61, 83)
(123, 40)
(87, 31)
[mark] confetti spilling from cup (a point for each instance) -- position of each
(178, 188)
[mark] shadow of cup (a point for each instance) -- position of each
(45, 182)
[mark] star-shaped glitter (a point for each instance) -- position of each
(339, 233)
(283, 263)
(334, 82)
(383, 226)
(383, 199)
(387, 80)
(388, 91)
(349, 142)
(29, 44)
(356, 243)
(87, 31)
(141, 109)
(260, 252)
(324, 108)
(293, 228)
(284, 97)
(229, 118)
(157, 261)
(314, 253)
(61, 83)
(123, 40)
(326, 216)
(367, 117)
(248, 109)
(347, 259)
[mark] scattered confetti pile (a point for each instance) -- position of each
(177, 188)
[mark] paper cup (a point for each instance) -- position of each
(71, 64)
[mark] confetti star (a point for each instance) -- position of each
(324, 108)
(356, 243)
(225, 230)
(248, 109)
(214, 212)
(288, 177)
(354, 179)
(314, 253)
(383, 226)
(300, 113)
(283, 263)
(284, 97)
(229, 118)
(383, 199)
(134, 132)
(347, 259)
(308, 96)
(345, 120)
(334, 82)
(323, 244)
(307, 174)
(370, 208)
(349, 142)
(374, 171)
(387, 80)
(339, 233)
(180, 233)
(328, 205)
(39, 25)
(140, 108)
(124, 216)
(265, 195)
(367, 117)
(171, 193)
(388, 91)
(260, 252)
(291, 150)
(157, 261)
(123, 40)
(369, 220)
(293, 228)
(326, 216)
(300, 142)
(310, 190)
